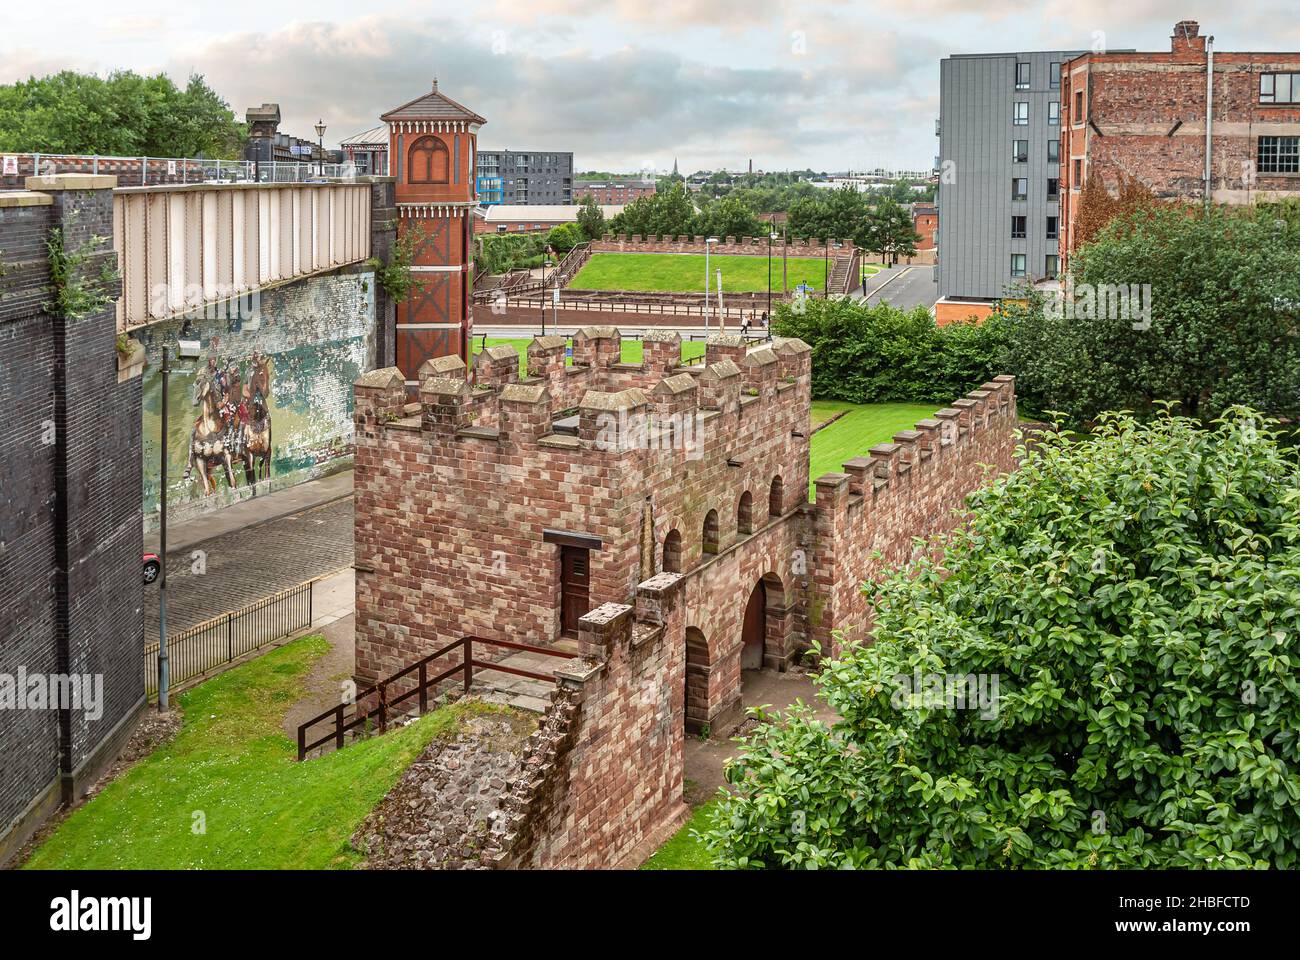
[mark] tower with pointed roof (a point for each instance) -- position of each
(432, 142)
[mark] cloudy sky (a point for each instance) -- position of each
(625, 84)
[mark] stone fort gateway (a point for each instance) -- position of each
(652, 518)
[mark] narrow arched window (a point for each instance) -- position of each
(673, 552)
(711, 532)
(745, 513)
(776, 498)
(427, 161)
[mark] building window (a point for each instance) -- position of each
(1279, 88)
(1019, 188)
(1018, 228)
(1053, 188)
(1049, 266)
(428, 161)
(673, 552)
(1078, 173)
(1054, 75)
(1279, 155)
(1052, 228)
(1017, 264)
(1021, 116)
(1054, 112)
(1022, 76)
(1019, 151)
(776, 498)
(745, 513)
(711, 532)
(1053, 151)
(1078, 107)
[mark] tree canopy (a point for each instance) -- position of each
(124, 114)
(1168, 302)
(1136, 596)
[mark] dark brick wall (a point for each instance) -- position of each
(29, 740)
(71, 541)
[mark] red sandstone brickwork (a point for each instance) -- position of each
(1143, 115)
(601, 781)
(913, 487)
(727, 246)
(700, 470)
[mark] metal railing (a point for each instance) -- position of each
(153, 171)
(230, 636)
(534, 304)
(425, 681)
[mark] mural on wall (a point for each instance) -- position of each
(269, 402)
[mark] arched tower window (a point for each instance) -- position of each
(427, 161)
(711, 532)
(745, 513)
(673, 552)
(776, 498)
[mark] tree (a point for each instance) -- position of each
(830, 214)
(591, 218)
(889, 231)
(671, 213)
(728, 217)
(1169, 302)
(1136, 595)
(124, 115)
(565, 237)
(1098, 208)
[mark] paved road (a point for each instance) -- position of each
(914, 286)
(246, 565)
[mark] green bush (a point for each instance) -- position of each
(1136, 595)
(881, 354)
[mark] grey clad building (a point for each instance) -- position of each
(999, 134)
(524, 177)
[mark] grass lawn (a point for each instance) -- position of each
(632, 349)
(853, 434)
(683, 851)
(232, 763)
(685, 271)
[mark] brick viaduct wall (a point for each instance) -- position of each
(70, 533)
(913, 487)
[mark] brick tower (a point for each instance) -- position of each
(432, 142)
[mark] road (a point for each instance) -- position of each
(911, 287)
(230, 571)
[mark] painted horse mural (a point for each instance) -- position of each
(209, 440)
(235, 423)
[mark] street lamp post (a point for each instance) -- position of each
(541, 298)
(826, 252)
(188, 350)
(708, 245)
(770, 237)
(320, 134)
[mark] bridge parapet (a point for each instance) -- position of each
(207, 248)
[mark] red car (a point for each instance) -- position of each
(152, 567)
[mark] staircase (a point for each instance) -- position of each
(843, 274)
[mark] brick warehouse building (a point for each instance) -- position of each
(1143, 115)
(432, 144)
(491, 508)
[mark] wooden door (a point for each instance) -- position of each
(575, 588)
(753, 630)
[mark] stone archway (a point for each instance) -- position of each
(765, 626)
(697, 680)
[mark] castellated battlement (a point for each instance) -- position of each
(596, 405)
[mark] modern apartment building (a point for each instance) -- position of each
(514, 177)
(999, 135)
(1145, 116)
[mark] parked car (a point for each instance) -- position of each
(152, 568)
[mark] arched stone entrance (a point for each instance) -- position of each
(697, 680)
(765, 626)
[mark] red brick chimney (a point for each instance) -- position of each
(1187, 38)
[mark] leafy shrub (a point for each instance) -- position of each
(879, 354)
(1137, 593)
